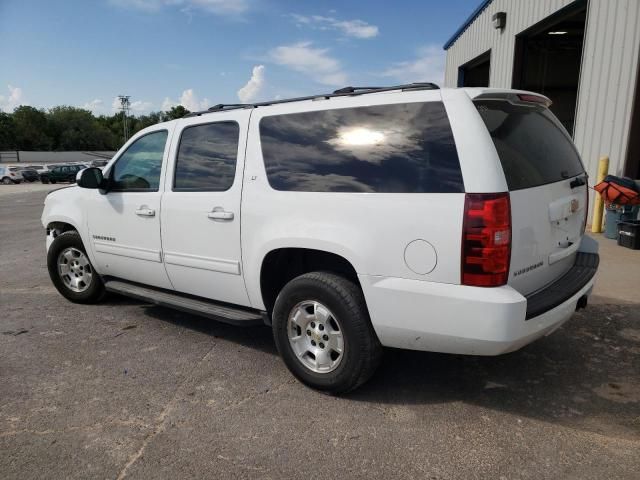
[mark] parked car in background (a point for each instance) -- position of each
(9, 175)
(41, 168)
(61, 173)
(99, 162)
(29, 174)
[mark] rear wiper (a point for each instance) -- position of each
(578, 182)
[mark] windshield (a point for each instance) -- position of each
(534, 148)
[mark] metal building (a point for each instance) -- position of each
(582, 54)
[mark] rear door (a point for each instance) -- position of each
(201, 207)
(547, 185)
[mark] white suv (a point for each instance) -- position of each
(441, 220)
(10, 174)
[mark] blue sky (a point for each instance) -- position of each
(201, 52)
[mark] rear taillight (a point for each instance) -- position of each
(486, 239)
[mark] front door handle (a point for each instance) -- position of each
(145, 211)
(219, 214)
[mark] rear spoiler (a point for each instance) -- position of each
(516, 97)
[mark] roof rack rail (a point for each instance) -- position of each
(346, 91)
(409, 86)
(354, 89)
(226, 106)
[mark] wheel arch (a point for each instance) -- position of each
(63, 223)
(280, 265)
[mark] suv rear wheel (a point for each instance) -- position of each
(322, 330)
(71, 271)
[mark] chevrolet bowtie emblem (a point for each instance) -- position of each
(574, 205)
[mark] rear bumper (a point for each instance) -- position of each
(437, 317)
(565, 287)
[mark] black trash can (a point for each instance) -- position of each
(629, 234)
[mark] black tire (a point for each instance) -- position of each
(53, 181)
(6, 181)
(44, 180)
(95, 291)
(362, 349)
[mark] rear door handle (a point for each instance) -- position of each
(145, 212)
(219, 214)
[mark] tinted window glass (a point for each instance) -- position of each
(207, 157)
(386, 148)
(533, 147)
(138, 168)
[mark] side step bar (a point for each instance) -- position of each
(186, 303)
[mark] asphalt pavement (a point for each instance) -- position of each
(128, 390)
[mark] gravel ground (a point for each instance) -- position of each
(127, 390)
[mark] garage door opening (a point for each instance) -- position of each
(476, 72)
(548, 58)
(632, 165)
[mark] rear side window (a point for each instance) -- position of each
(533, 146)
(207, 157)
(399, 148)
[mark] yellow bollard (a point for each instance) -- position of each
(598, 203)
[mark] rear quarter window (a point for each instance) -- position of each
(533, 146)
(397, 148)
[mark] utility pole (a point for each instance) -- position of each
(124, 108)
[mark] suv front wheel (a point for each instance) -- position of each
(71, 271)
(322, 330)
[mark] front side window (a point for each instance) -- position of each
(139, 167)
(207, 156)
(396, 148)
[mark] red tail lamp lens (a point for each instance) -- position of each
(486, 239)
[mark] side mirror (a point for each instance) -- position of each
(90, 178)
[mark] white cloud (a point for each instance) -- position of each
(167, 104)
(94, 105)
(115, 105)
(135, 107)
(314, 62)
(216, 7)
(428, 66)
(252, 89)
(14, 99)
(188, 100)
(220, 7)
(351, 28)
(141, 107)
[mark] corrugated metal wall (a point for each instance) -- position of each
(481, 36)
(607, 78)
(607, 82)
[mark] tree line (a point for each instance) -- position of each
(66, 128)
